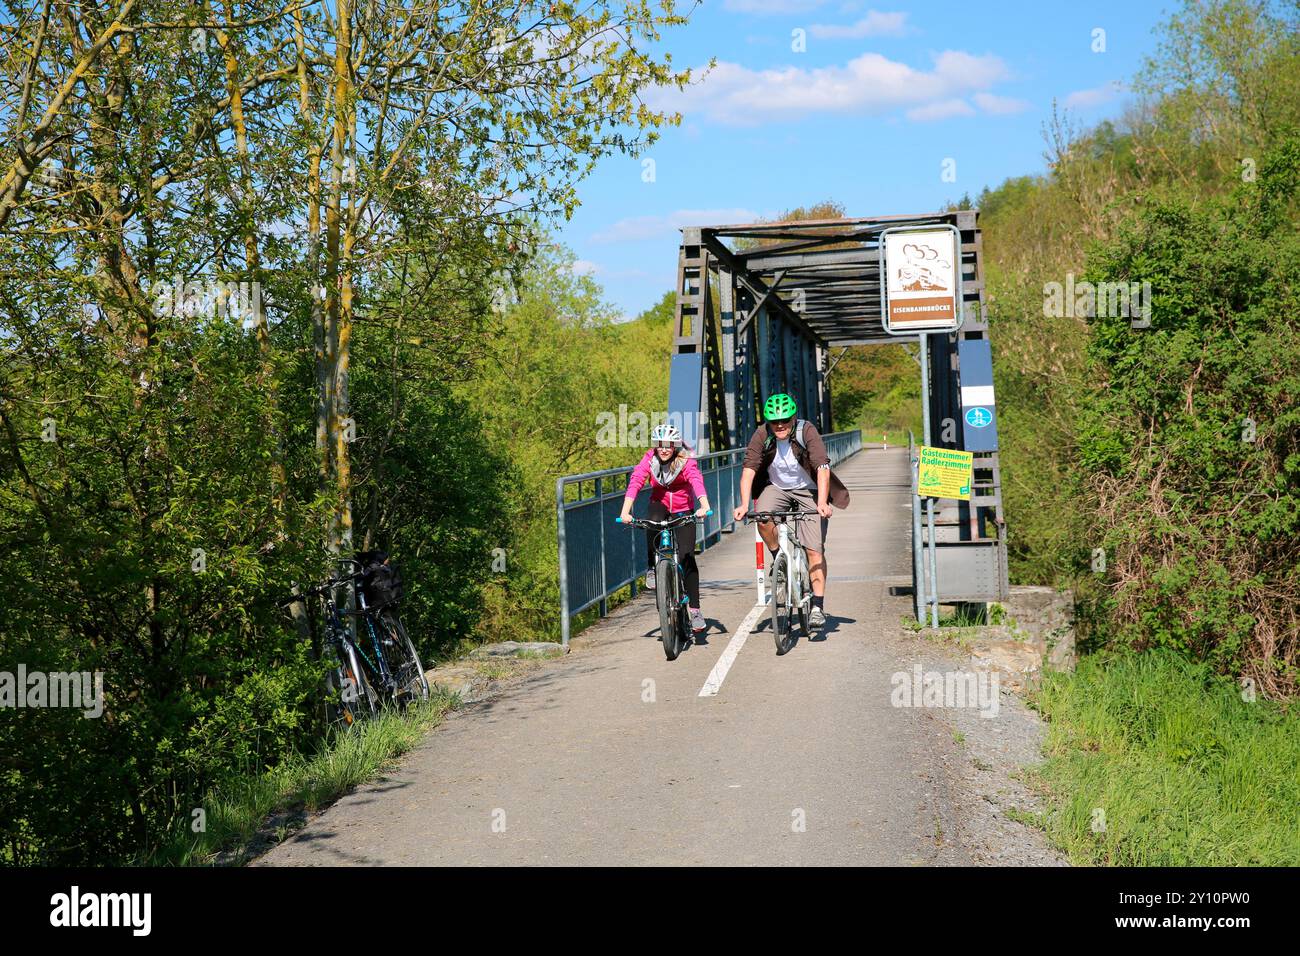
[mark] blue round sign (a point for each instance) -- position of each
(979, 417)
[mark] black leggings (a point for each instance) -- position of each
(685, 551)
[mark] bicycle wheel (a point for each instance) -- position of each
(403, 660)
(804, 606)
(684, 632)
(780, 605)
(666, 597)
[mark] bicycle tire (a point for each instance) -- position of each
(404, 661)
(805, 600)
(780, 605)
(666, 598)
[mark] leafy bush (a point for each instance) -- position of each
(1190, 443)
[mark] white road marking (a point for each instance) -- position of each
(719, 672)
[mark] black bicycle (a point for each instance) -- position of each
(378, 666)
(378, 593)
(670, 582)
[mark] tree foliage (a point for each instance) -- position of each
(1131, 440)
(176, 452)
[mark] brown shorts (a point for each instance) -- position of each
(811, 531)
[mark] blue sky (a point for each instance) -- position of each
(866, 115)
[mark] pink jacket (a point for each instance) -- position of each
(677, 494)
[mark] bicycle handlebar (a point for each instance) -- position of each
(329, 585)
(778, 516)
(670, 523)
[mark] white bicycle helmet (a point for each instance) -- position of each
(666, 432)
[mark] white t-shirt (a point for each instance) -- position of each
(785, 471)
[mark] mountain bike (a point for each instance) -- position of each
(791, 583)
(670, 581)
(379, 666)
(403, 674)
(351, 693)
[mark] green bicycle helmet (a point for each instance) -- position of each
(778, 407)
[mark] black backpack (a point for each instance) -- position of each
(381, 582)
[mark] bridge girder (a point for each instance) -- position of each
(786, 293)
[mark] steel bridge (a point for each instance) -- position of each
(771, 307)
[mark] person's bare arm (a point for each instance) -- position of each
(824, 491)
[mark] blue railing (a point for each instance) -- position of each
(598, 557)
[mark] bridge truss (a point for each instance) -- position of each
(762, 307)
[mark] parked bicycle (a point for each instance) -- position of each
(379, 665)
(791, 584)
(379, 591)
(670, 582)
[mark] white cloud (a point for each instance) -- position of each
(765, 8)
(585, 267)
(944, 109)
(636, 228)
(999, 105)
(870, 83)
(1086, 99)
(874, 24)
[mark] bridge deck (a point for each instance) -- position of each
(611, 755)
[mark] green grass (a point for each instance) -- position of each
(235, 813)
(871, 435)
(960, 628)
(1034, 820)
(1186, 772)
(961, 616)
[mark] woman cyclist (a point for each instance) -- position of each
(674, 480)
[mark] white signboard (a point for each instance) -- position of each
(920, 269)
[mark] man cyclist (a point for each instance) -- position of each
(786, 463)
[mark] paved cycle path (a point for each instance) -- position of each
(611, 756)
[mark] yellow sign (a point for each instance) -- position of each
(945, 473)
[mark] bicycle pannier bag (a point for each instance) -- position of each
(381, 582)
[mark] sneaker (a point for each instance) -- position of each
(816, 619)
(650, 579)
(697, 620)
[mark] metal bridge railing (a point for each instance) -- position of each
(598, 557)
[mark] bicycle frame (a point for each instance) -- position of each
(796, 596)
(340, 634)
(797, 561)
(383, 670)
(667, 548)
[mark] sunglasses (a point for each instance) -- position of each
(781, 423)
(665, 444)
